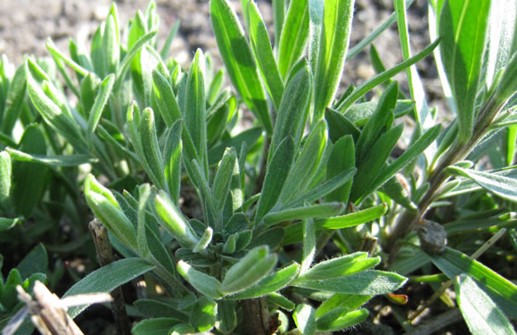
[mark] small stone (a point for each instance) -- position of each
(433, 237)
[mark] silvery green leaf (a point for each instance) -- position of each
(316, 211)
(306, 166)
(368, 282)
(463, 28)
(101, 100)
(481, 313)
(331, 51)
(174, 221)
(341, 318)
(294, 36)
(28, 180)
(500, 185)
(271, 283)
(305, 319)
(341, 266)
(276, 173)
(250, 269)
(205, 284)
(107, 278)
(259, 40)
(237, 56)
(293, 111)
(153, 326)
(5, 178)
(203, 315)
(106, 208)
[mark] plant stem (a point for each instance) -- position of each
(256, 316)
(438, 176)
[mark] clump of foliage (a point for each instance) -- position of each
(287, 203)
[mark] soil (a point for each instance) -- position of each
(25, 25)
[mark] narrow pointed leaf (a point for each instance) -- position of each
(463, 27)
(305, 319)
(369, 282)
(277, 171)
(271, 283)
(454, 263)
(107, 279)
(335, 35)
(294, 36)
(313, 212)
(500, 185)
(479, 311)
(292, 114)
(341, 266)
(259, 39)
(68, 160)
(238, 59)
(202, 282)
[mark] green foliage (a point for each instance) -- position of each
(282, 207)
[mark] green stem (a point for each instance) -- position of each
(438, 176)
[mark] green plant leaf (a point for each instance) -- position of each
(35, 261)
(238, 59)
(294, 36)
(107, 279)
(269, 284)
(368, 282)
(309, 245)
(223, 177)
(29, 180)
(226, 316)
(373, 163)
(128, 59)
(341, 158)
(293, 111)
(348, 302)
(276, 173)
(5, 178)
(50, 104)
(154, 326)
(164, 98)
(323, 189)
(106, 208)
(500, 185)
(305, 319)
(341, 266)
(203, 315)
(248, 137)
(454, 263)
(202, 282)
(57, 161)
(463, 27)
(294, 232)
(502, 36)
(249, 270)
(333, 44)
(14, 101)
(172, 154)
(407, 157)
(8, 223)
(340, 319)
(259, 40)
(101, 99)
(344, 105)
(479, 311)
(299, 213)
(194, 111)
(175, 223)
(306, 166)
(152, 152)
